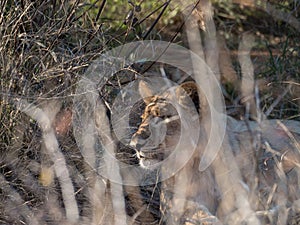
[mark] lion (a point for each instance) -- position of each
(155, 140)
(189, 195)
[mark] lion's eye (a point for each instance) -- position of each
(166, 117)
(156, 113)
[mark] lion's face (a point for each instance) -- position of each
(160, 129)
(158, 133)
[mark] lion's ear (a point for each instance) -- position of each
(190, 89)
(145, 91)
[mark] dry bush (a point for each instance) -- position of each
(48, 177)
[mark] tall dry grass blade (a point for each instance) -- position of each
(56, 156)
(97, 186)
(210, 37)
(248, 81)
(112, 167)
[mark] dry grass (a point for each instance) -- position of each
(45, 48)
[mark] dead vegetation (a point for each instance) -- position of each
(48, 176)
